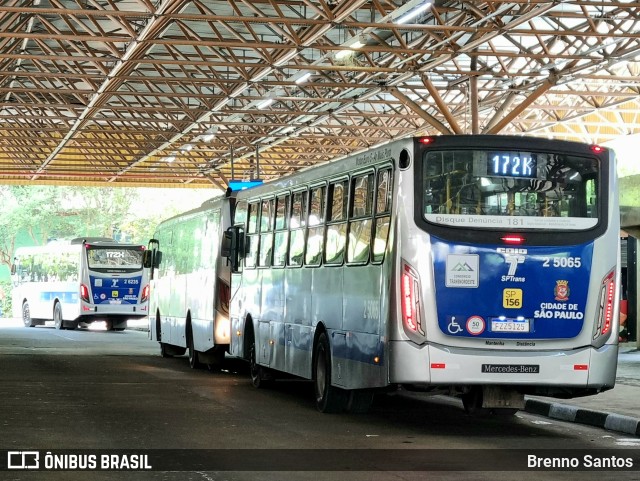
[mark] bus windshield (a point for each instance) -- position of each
(506, 189)
(119, 258)
(46, 266)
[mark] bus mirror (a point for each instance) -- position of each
(151, 259)
(227, 244)
(157, 259)
(231, 246)
(13, 269)
(146, 259)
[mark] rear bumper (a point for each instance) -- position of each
(89, 311)
(584, 368)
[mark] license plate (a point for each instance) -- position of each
(510, 325)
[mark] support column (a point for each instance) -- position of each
(473, 96)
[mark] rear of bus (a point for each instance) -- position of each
(507, 268)
(114, 285)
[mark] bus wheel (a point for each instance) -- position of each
(26, 316)
(359, 401)
(329, 399)
(215, 364)
(260, 377)
(194, 363)
(57, 316)
(472, 402)
(164, 352)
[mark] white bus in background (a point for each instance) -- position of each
(80, 281)
(189, 304)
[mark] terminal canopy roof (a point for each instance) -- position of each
(175, 92)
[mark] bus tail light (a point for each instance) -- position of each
(607, 305)
(410, 294)
(145, 293)
(224, 296)
(84, 293)
(513, 239)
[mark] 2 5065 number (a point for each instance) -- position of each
(570, 262)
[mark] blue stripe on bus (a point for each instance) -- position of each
(360, 347)
(63, 296)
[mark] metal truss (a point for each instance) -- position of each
(192, 93)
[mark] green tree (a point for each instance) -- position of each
(44, 213)
(8, 224)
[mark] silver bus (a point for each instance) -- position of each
(189, 305)
(484, 267)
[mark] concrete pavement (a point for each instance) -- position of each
(617, 409)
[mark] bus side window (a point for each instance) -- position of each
(316, 226)
(336, 223)
(297, 223)
(194, 255)
(168, 265)
(266, 233)
(240, 213)
(183, 248)
(383, 214)
(253, 236)
(281, 235)
(361, 203)
(210, 242)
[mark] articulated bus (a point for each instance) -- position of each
(78, 282)
(484, 267)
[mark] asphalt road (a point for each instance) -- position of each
(92, 392)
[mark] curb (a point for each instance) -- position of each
(573, 414)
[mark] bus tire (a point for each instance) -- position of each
(216, 360)
(26, 315)
(359, 401)
(164, 352)
(472, 402)
(260, 377)
(192, 354)
(57, 316)
(329, 399)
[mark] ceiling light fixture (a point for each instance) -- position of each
(303, 78)
(264, 104)
(414, 13)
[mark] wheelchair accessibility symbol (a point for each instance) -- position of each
(454, 327)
